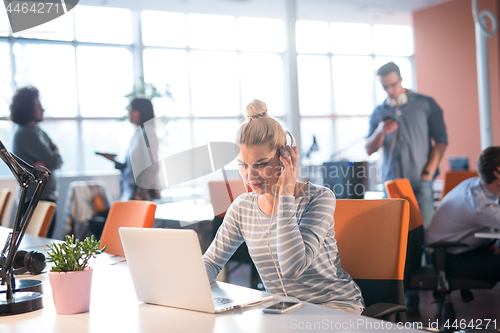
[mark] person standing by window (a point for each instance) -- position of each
(139, 179)
(34, 145)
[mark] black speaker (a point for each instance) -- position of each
(348, 180)
(32, 262)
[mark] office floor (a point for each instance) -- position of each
(484, 307)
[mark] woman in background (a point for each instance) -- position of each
(33, 145)
(139, 178)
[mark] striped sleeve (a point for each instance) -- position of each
(226, 242)
(299, 241)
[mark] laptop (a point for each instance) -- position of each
(167, 269)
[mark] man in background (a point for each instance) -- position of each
(411, 129)
(472, 206)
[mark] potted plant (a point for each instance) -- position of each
(71, 277)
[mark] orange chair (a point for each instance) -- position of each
(4, 199)
(133, 213)
(223, 193)
(371, 237)
(453, 178)
(41, 218)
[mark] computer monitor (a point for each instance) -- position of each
(459, 162)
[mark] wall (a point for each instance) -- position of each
(445, 62)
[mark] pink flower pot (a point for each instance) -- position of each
(71, 291)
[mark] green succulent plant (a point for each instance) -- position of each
(73, 254)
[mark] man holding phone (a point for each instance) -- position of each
(405, 126)
(411, 129)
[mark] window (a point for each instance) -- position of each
(103, 25)
(5, 78)
(261, 35)
(163, 29)
(212, 32)
(214, 83)
(105, 76)
(55, 77)
(312, 37)
(213, 65)
(339, 90)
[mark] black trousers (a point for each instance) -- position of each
(478, 264)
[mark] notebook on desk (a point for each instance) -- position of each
(167, 269)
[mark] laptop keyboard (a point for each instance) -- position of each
(221, 301)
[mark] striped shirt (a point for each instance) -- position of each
(299, 241)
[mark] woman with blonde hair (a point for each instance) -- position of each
(287, 225)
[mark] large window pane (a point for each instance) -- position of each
(5, 76)
(352, 85)
(4, 23)
(215, 83)
(169, 67)
(104, 78)
(55, 77)
(312, 37)
(314, 85)
(214, 32)
(406, 73)
(261, 35)
(262, 78)
(216, 131)
(103, 25)
(7, 129)
(64, 135)
(350, 134)
(113, 137)
(351, 38)
(322, 129)
(60, 28)
(163, 29)
(384, 37)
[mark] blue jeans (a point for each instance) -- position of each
(423, 192)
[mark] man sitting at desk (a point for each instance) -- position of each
(472, 207)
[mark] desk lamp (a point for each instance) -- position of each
(26, 296)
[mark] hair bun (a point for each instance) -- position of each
(256, 109)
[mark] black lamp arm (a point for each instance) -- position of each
(24, 174)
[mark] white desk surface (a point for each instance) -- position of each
(487, 235)
(115, 308)
(186, 212)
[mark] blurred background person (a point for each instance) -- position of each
(139, 178)
(34, 145)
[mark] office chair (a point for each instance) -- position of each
(4, 199)
(222, 194)
(133, 213)
(453, 178)
(401, 189)
(371, 237)
(82, 212)
(41, 218)
(430, 278)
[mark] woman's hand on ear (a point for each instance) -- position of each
(289, 172)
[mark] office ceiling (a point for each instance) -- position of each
(369, 11)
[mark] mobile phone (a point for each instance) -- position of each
(282, 307)
(388, 118)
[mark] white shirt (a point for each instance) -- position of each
(469, 208)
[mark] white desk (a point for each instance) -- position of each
(185, 212)
(114, 308)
